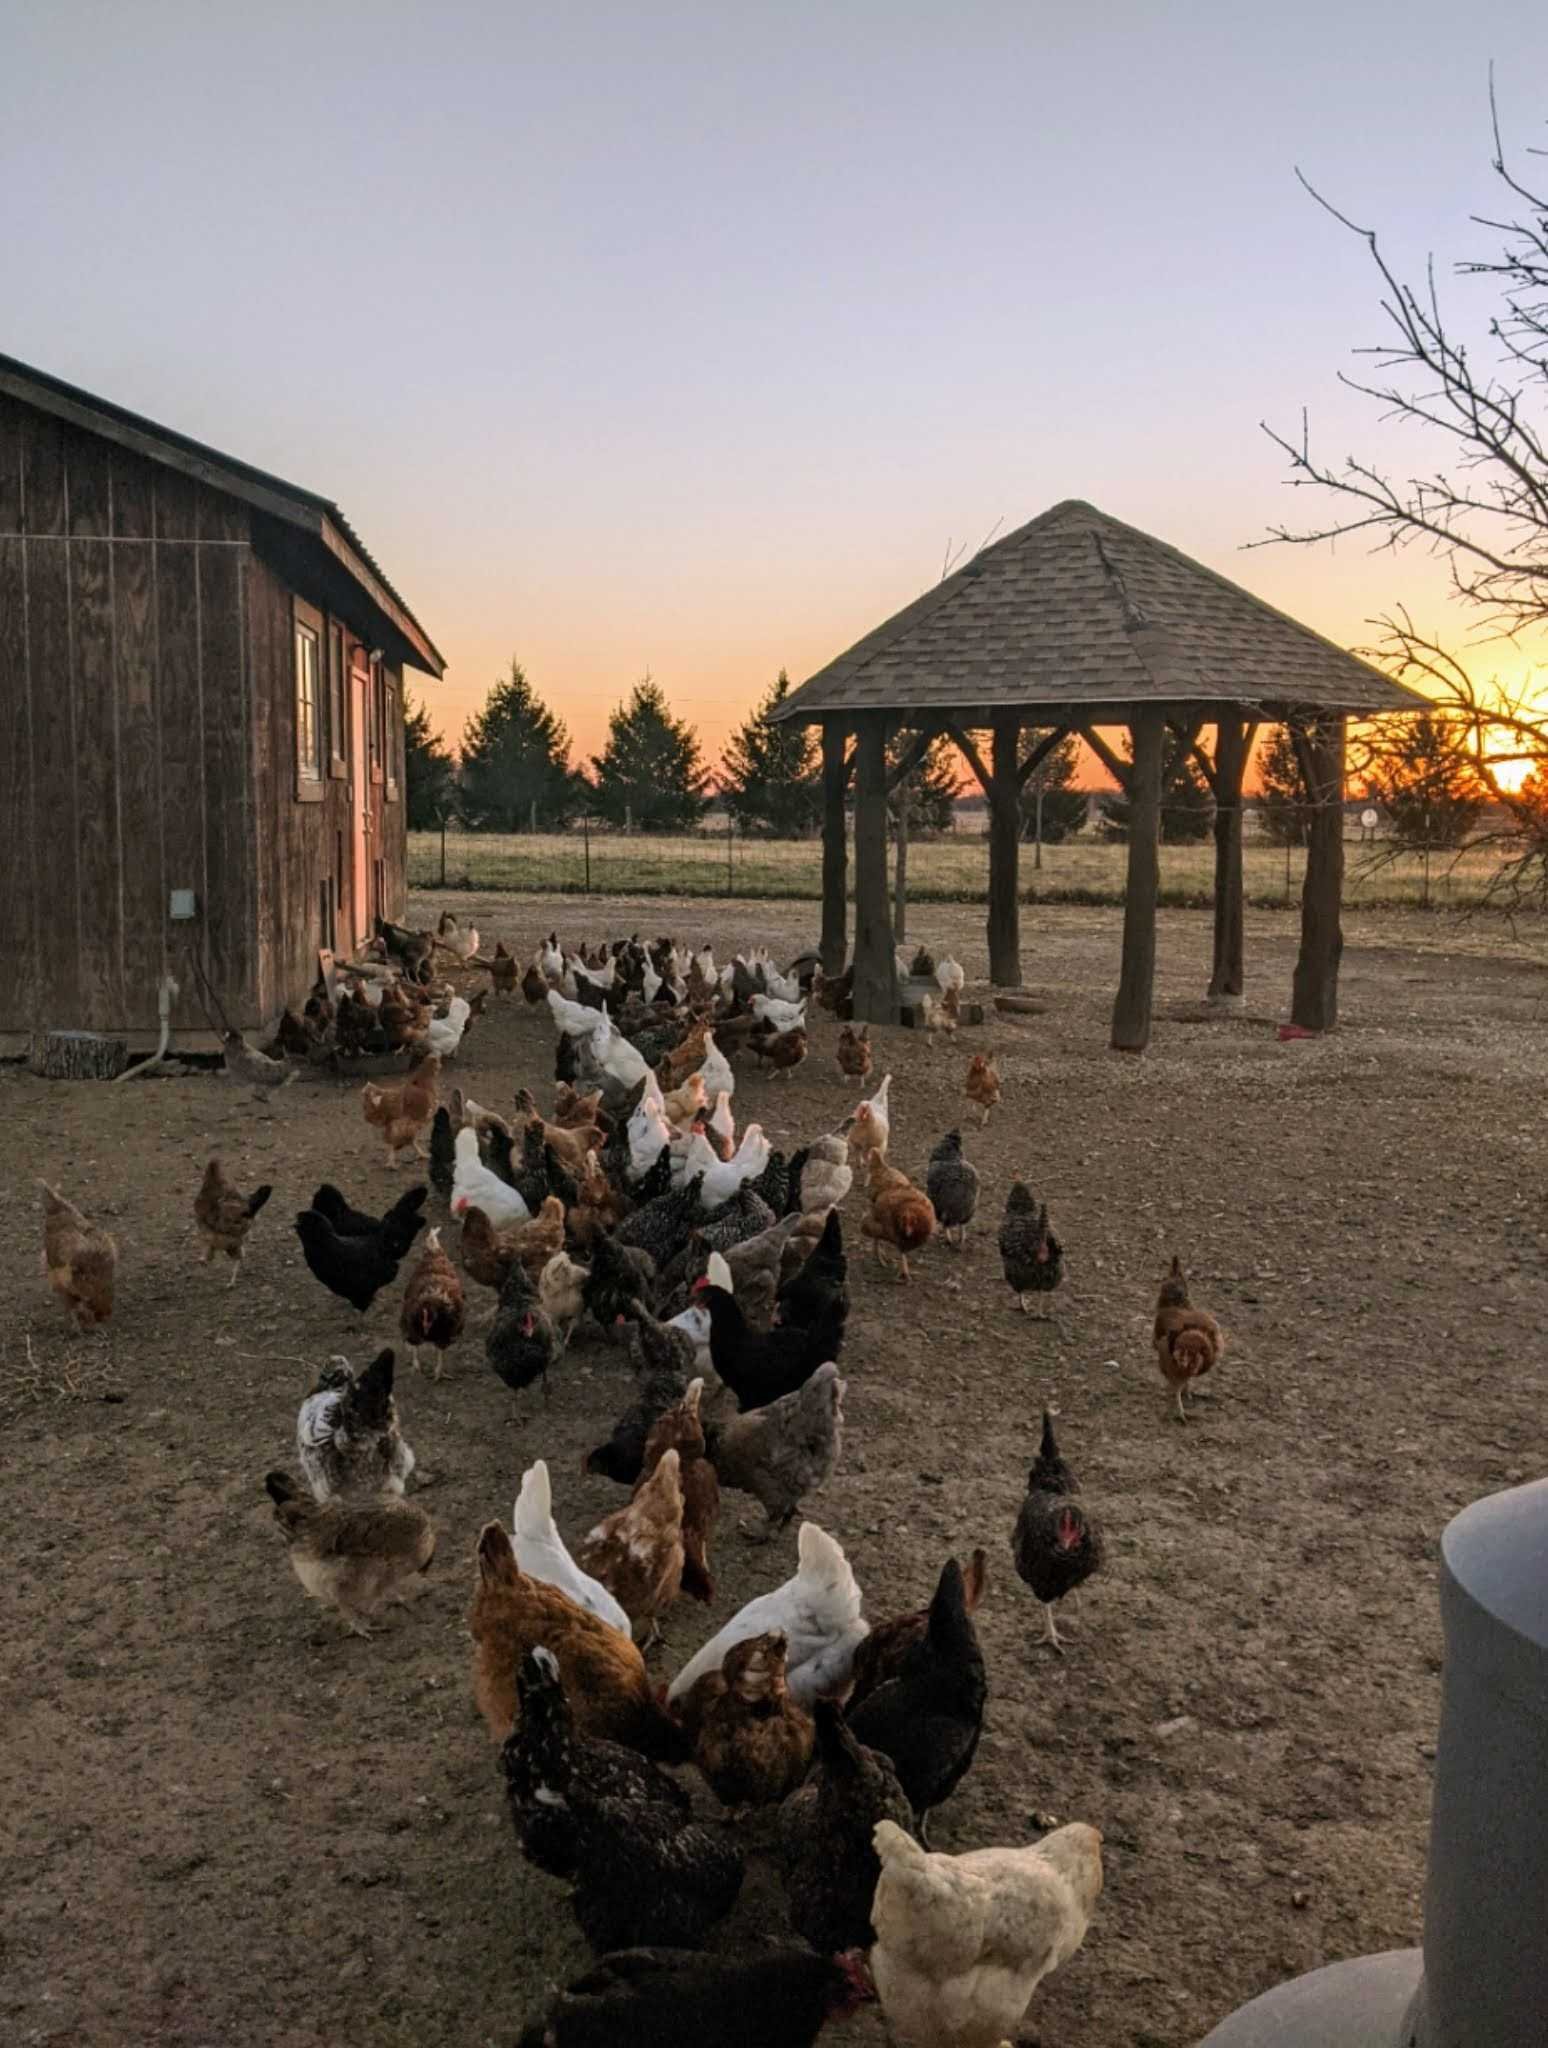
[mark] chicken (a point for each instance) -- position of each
(949, 977)
(618, 1285)
(347, 1434)
(487, 1254)
(716, 1070)
(951, 1182)
(411, 949)
(853, 1051)
(784, 1016)
(569, 1142)
(1056, 1544)
(571, 1020)
(962, 1942)
(1188, 1341)
(750, 1740)
(662, 1360)
(784, 1450)
(886, 1650)
(722, 1178)
(942, 1015)
(694, 1322)
(401, 1113)
(818, 1612)
(927, 1720)
(982, 1086)
(80, 1260)
(475, 1186)
(537, 1242)
(818, 1291)
(223, 1215)
(782, 1050)
(354, 1268)
(752, 1269)
(433, 1308)
(661, 1227)
(394, 1230)
(677, 1998)
(443, 1153)
(521, 1343)
(901, 1214)
(680, 1428)
(683, 1104)
(574, 1111)
(604, 1674)
(871, 1127)
(827, 1856)
(760, 1365)
(442, 1036)
(244, 1062)
(1032, 1257)
(559, 1288)
(590, 1810)
(622, 1066)
(451, 935)
(502, 970)
(684, 1057)
(541, 1552)
(722, 1125)
(353, 1554)
(827, 1175)
(637, 1552)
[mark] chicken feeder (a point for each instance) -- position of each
(1481, 1979)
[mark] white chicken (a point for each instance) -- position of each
(550, 961)
(573, 1019)
(783, 1016)
(648, 1132)
(650, 982)
(451, 935)
(347, 1434)
(723, 1178)
(827, 1176)
(949, 975)
(962, 1942)
(704, 960)
(475, 1187)
(695, 1325)
(872, 1124)
(722, 1122)
(624, 1063)
(444, 1034)
(716, 1071)
(818, 1612)
(560, 1291)
(541, 1553)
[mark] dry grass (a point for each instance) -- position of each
(28, 1381)
(949, 870)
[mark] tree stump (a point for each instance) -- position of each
(79, 1056)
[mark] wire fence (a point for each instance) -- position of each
(953, 868)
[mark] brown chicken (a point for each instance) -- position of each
(853, 1051)
(942, 1014)
(488, 1254)
(353, 1554)
(1189, 1342)
(574, 1111)
(681, 1429)
(885, 1651)
(750, 1739)
(402, 1013)
(685, 1103)
(600, 1208)
(223, 1215)
(402, 1112)
(982, 1086)
(782, 1050)
(902, 1215)
(604, 1674)
(502, 970)
(534, 983)
(637, 1553)
(680, 1062)
(571, 1144)
(433, 1305)
(80, 1260)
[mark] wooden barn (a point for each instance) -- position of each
(201, 722)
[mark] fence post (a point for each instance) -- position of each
(730, 856)
(586, 835)
(443, 849)
(1037, 856)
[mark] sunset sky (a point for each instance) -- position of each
(688, 338)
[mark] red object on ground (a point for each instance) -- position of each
(1296, 1031)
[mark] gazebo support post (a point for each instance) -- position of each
(1004, 794)
(833, 947)
(876, 967)
(1319, 746)
(1136, 981)
(1233, 738)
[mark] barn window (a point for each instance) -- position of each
(309, 705)
(338, 729)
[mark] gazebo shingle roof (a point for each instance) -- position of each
(1076, 610)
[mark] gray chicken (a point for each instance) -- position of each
(347, 1435)
(952, 1185)
(1031, 1255)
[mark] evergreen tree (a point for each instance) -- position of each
(770, 780)
(1064, 806)
(930, 789)
(650, 772)
(1285, 811)
(1187, 808)
(429, 772)
(516, 762)
(1422, 775)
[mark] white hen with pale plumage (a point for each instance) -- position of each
(475, 1187)
(818, 1612)
(541, 1553)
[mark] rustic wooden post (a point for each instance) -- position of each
(1232, 740)
(900, 870)
(833, 947)
(1314, 995)
(1004, 794)
(1136, 980)
(876, 967)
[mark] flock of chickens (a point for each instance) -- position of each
(637, 1216)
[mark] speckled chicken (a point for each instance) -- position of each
(521, 1343)
(1056, 1543)
(951, 1182)
(637, 1552)
(347, 1435)
(1032, 1257)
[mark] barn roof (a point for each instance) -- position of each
(317, 517)
(1074, 612)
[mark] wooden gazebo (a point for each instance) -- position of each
(1075, 622)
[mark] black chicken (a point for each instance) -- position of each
(522, 1342)
(773, 1184)
(826, 1855)
(678, 1998)
(443, 1153)
(1057, 1545)
(793, 1174)
(761, 1365)
(354, 1268)
(745, 1215)
(928, 1719)
(655, 1182)
(612, 1822)
(662, 1227)
(663, 1361)
(820, 1286)
(1032, 1256)
(951, 1182)
(618, 1285)
(395, 1231)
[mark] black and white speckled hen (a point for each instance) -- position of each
(603, 1816)
(662, 1227)
(522, 1342)
(1057, 1544)
(618, 1285)
(1031, 1255)
(951, 1182)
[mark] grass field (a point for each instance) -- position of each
(951, 870)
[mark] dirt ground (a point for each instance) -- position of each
(229, 1823)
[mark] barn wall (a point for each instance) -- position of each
(124, 764)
